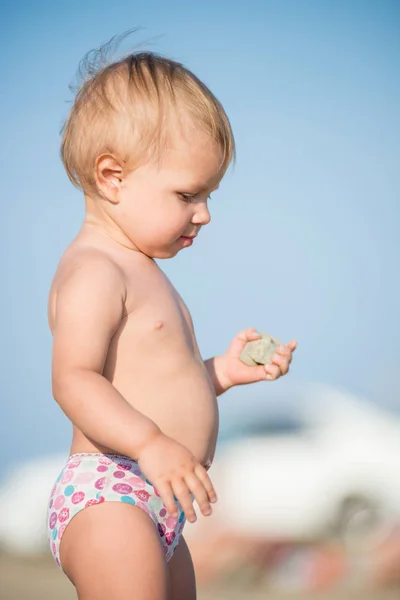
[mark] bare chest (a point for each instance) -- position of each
(157, 323)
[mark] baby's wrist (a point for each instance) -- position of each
(224, 380)
(216, 367)
(152, 432)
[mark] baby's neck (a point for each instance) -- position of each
(98, 220)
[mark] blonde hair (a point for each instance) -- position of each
(124, 109)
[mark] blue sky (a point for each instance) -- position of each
(304, 239)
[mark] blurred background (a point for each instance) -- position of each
(303, 244)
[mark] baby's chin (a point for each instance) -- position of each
(155, 252)
(166, 252)
(160, 254)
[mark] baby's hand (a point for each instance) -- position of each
(173, 470)
(234, 372)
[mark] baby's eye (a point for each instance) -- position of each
(191, 197)
(188, 197)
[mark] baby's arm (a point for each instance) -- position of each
(215, 371)
(89, 308)
(229, 369)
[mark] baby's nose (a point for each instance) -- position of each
(202, 215)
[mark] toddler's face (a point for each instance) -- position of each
(163, 205)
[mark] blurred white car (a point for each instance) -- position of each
(336, 474)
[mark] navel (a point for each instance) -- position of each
(159, 325)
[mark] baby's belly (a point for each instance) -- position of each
(181, 401)
(182, 404)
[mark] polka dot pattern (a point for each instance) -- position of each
(92, 478)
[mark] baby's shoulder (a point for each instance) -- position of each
(89, 260)
(85, 275)
(83, 266)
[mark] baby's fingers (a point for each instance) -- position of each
(200, 494)
(285, 350)
(282, 362)
(206, 481)
(182, 493)
(167, 496)
(272, 372)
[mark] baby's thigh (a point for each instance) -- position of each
(112, 551)
(182, 577)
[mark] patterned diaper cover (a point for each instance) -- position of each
(92, 478)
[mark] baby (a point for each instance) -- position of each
(147, 142)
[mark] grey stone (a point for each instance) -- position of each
(259, 352)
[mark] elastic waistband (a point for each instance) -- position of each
(94, 454)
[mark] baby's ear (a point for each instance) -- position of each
(108, 174)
